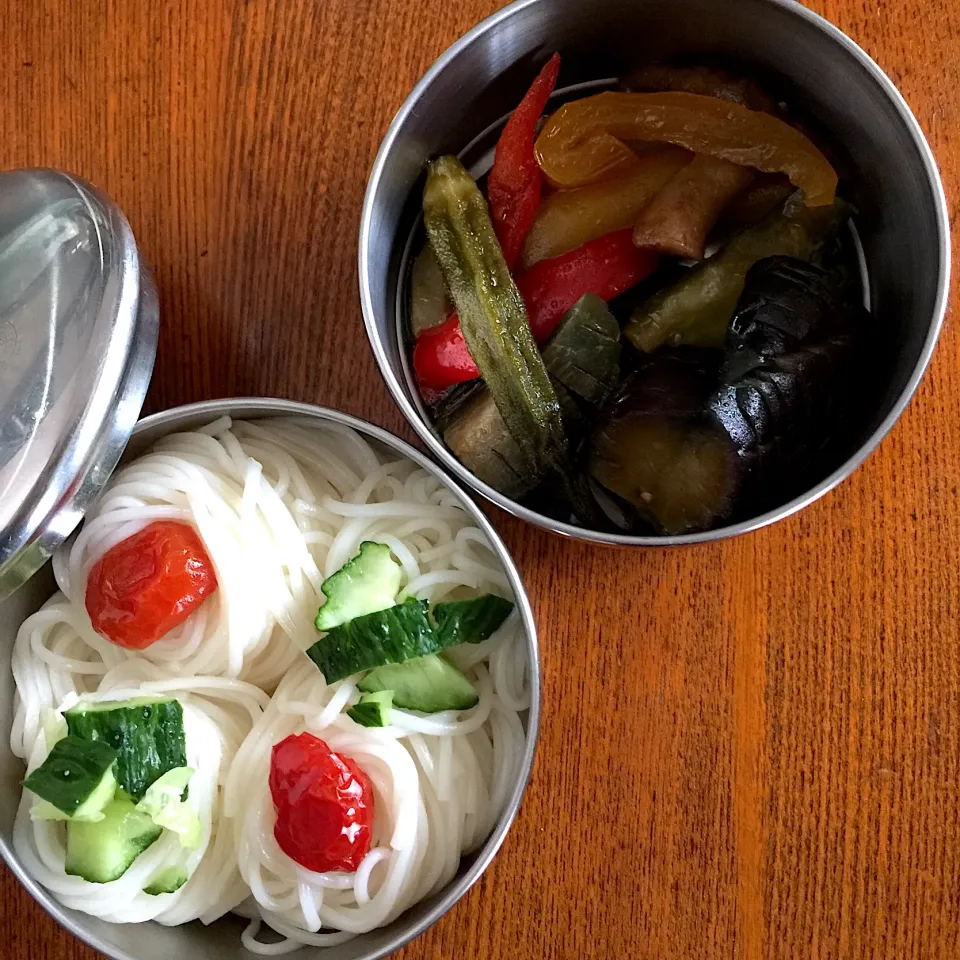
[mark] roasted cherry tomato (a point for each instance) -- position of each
(324, 805)
(146, 585)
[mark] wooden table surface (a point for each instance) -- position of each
(749, 749)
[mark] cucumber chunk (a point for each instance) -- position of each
(103, 851)
(164, 804)
(428, 684)
(366, 584)
(75, 781)
(373, 709)
(147, 734)
(167, 880)
(470, 621)
(400, 633)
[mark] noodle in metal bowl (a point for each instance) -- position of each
(280, 505)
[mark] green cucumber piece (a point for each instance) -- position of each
(147, 734)
(366, 584)
(75, 781)
(429, 684)
(400, 633)
(470, 621)
(53, 725)
(103, 851)
(167, 880)
(373, 709)
(90, 811)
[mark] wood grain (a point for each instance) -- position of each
(777, 774)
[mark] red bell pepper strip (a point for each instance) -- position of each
(607, 266)
(441, 358)
(513, 188)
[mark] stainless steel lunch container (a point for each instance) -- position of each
(221, 941)
(460, 103)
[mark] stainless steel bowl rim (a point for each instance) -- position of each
(615, 539)
(458, 887)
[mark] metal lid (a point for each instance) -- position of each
(78, 337)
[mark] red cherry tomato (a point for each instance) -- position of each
(143, 587)
(324, 805)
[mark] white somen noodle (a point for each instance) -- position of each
(280, 505)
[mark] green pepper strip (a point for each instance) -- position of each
(493, 317)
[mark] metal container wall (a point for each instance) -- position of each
(221, 941)
(826, 78)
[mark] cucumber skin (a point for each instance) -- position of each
(71, 775)
(401, 633)
(405, 632)
(373, 710)
(102, 852)
(429, 684)
(148, 738)
(470, 621)
(168, 880)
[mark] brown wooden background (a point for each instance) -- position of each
(749, 750)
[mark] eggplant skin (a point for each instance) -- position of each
(787, 304)
(658, 453)
(695, 437)
(790, 370)
(675, 383)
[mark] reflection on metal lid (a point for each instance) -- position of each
(78, 327)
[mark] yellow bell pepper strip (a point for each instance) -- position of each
(583, 142)
(568, 219)
(679, 219)
(697, 310)
(492, 315)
